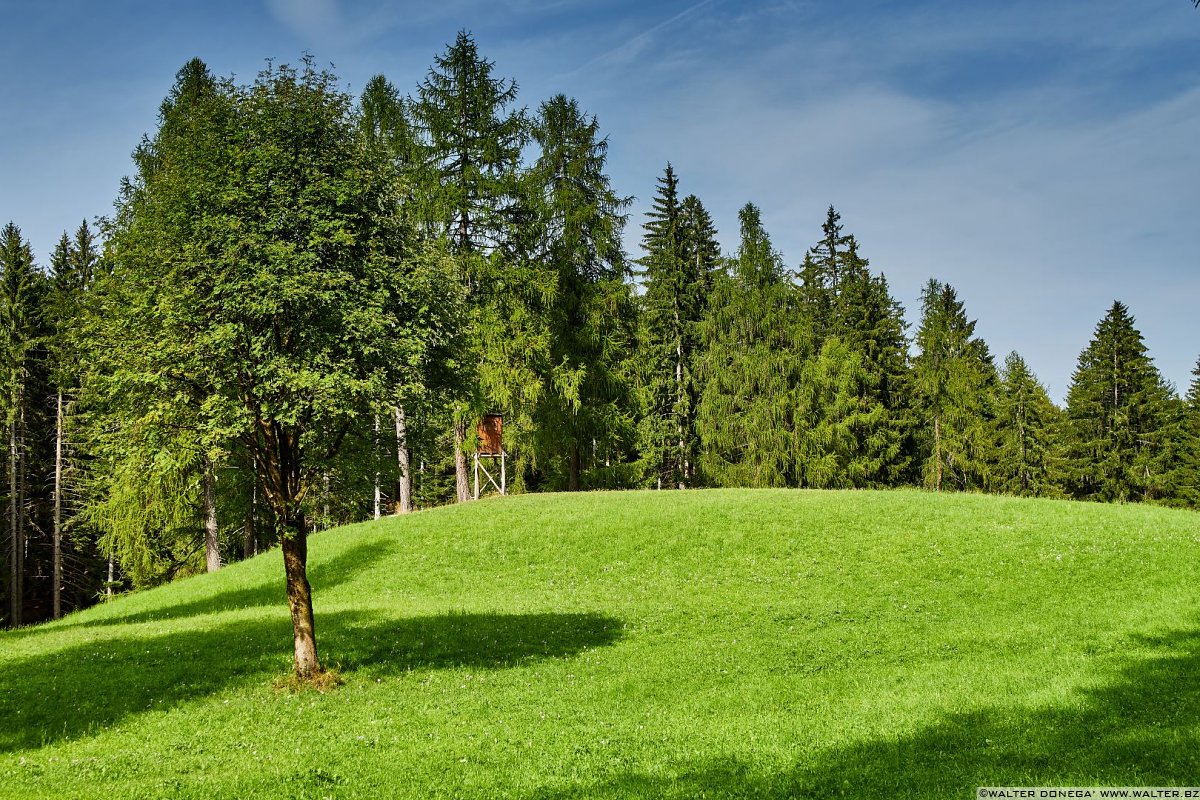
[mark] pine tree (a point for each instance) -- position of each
(21, 290)
(72, 268)
(1187, 478)
(385, 123)
(841, 429)
(585, 406)
(470, 146)
(1028, 427)
(821, 276)
(677, 271)
(750, 355)
(1119, 417)
(870, 322)
(954, 382)
(851, 407)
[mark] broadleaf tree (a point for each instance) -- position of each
(295, 300)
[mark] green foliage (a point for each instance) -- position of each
(470, 147)
(1029, 429)
(752, 348)
(73, 267)
(821, 276)
(677, 273)
(473, 193)
(584, 417)
(1121, 417)
(843, 434)
(644, 644)
(852, 401)
(954, 383)
(272, 298)
(22, 292)
(1187, 468)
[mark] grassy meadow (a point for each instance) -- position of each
(729, 643)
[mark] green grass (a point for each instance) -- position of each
(720, 643)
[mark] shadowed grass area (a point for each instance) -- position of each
(1139, 729)
(97, 684)
(717, 644)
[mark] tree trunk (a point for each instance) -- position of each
(404, 487)
(249, 543)
(681, 458)
(375, 458)
(462, 483)
(937, 453)
(294, 542)
(108, 587)
(325, 498)
(58, 470)
(573, 469)
(250, 532)
(16, 591)
(22, 490)
(212, 544)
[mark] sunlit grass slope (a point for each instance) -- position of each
(722, 643)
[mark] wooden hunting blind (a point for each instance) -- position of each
(490, 432)
(491, 435)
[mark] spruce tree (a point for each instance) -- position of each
(677, 271)
(1028, 427)
(1187, 478)
(470, 140)
(387, 128)
(1119, 419)
(72, 268)
(870, 322)
(841, 429)
(821, 276)
(471, 143)
(22, 288)
(851, 407)
(750, 356)
(954, 382)
(584, 408)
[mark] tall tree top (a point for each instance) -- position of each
(757, 262)
(583, 216)
(662, 220)
(472, 145)
(1193, 394)
(383, 117)
(194, 83)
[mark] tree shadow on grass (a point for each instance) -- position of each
(80, 690)
(1141, 729)
(324, 574)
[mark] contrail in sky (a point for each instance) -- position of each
(633, 42)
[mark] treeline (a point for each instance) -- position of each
(305, 302)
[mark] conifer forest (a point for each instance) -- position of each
(304, 302)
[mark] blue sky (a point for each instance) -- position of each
(1041, 157)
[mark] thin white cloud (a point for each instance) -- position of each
(308, 18)
(337, 24)
(633, 47)
(1041, 201)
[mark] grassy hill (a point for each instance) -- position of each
(717, 643)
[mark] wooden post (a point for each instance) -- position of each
(475, 494)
